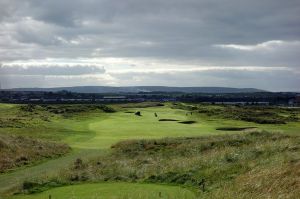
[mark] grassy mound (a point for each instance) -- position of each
(16, 151)
(67, 109)
(241, 165)
(32, 115)
(256, 114)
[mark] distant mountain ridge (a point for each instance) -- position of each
(137, 89)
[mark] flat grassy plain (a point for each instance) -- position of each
(91, 133)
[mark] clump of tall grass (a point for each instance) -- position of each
(256, 114)
(16, 151)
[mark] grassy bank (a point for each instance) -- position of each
(255, 114)
(17, 151)
(240, 165)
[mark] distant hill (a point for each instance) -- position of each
(137, 89)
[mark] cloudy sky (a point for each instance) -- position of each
(234, 43)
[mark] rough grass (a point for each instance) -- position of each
(256, 114)
(49, 121)
(67, 109)
(245, 165)
(16, 151)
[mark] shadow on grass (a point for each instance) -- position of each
(234, 128)
(166, 120)
(187, 122)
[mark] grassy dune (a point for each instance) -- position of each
(16, 151)
(252, 165)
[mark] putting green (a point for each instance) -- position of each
(113, 191)
(107, 130)
(100, 131)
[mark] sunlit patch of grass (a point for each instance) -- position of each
(118, 190)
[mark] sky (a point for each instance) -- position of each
(228, 43)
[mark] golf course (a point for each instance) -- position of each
(138, 99)
(99, 162)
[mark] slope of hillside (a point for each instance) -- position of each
(16, 151)
(247, 165)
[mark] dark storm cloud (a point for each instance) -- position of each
(231, 18)
(202, 32)
(179, 28)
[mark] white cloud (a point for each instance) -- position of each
(49, 70)
(125, 65)
(268, 45)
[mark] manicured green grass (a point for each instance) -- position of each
(113, 191)
(122, 126)
(104, 130)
